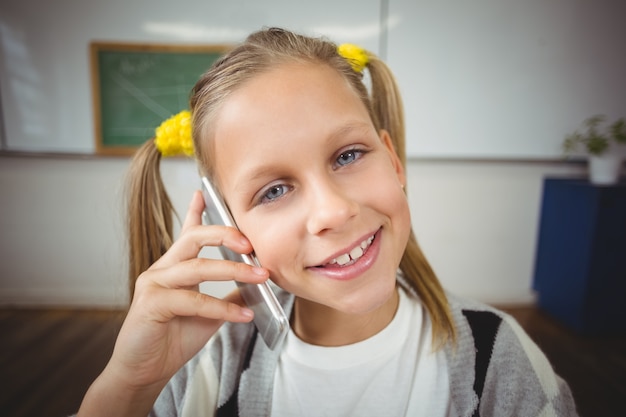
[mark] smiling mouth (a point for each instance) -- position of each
(352, 256)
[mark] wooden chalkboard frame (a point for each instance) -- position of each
(150, 72)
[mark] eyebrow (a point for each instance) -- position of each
(349, 128)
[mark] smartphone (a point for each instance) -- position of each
(269, 317)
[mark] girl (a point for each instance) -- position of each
(313, 170)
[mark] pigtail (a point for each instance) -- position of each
(149, 212)
(388, 111)
(422, 278)
(386, 102)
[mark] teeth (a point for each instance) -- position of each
(354, 254)
(342, 260)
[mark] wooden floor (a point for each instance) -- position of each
(48, 358)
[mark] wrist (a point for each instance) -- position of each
(112, 395)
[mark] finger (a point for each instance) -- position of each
(194, 211)
(185, 303)
(196, 237)
(235, 297)
(194, 271)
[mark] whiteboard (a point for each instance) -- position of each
(44, 50)
(505, 79)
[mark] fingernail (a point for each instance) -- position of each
(259, 271)
(246, 312)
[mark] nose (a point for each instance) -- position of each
(330, 207)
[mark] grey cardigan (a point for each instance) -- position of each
(494, 370)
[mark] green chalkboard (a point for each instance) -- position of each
(136, 87)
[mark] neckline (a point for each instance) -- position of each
(383, 343)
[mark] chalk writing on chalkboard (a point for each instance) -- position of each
(137, 86)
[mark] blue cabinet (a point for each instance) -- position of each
(580, 270)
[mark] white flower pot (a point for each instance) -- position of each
(605, 169)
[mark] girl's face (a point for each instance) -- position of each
(317, 191)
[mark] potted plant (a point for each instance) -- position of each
(605, 148)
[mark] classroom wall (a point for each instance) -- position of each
(61, 225)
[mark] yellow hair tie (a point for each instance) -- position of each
(173, 136)
(355, 55)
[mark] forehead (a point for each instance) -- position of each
(284, 108)
(298, 84)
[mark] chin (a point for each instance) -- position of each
(368, 300)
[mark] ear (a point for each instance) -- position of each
(395, 160)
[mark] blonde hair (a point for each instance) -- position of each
(149, 208)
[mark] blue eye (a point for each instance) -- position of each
(349, 156)
(274, 192)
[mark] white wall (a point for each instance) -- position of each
(61, 231)
(477, 222)
(505, 78)
(62, 240)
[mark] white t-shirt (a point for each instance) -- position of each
(393, 373)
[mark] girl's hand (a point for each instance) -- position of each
(169, 320)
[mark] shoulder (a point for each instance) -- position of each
(502, 364)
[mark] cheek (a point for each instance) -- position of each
(274, 239)
(272, 255)
(401, 205)
(400, 215)
(404, 223)
(386, 193)
(390, 200)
